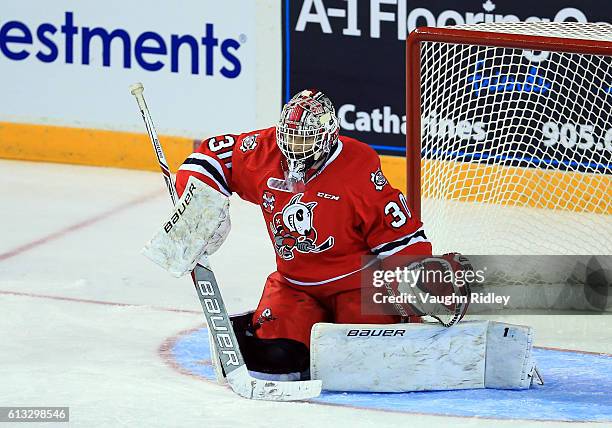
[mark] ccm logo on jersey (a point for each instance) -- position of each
(374, 333)
(180, 210)
(328, 196)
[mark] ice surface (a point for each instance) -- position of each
(86, 321)
(572, 392)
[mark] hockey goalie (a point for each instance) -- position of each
(328, 207)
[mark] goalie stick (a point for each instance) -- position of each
(217, 318)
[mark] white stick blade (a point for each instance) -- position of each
(246, 386)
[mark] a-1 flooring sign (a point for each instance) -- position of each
(354, 50)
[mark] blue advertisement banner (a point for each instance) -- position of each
(354, 51)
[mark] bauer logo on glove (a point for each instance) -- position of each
(180, 210)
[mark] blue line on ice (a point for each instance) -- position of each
(578, 387)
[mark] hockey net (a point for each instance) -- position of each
(509, 137)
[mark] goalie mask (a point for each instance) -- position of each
(306, 132)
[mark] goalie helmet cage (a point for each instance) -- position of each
(509, 137)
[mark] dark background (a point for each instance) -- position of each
(370, 72)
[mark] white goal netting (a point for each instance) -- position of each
(516, 145)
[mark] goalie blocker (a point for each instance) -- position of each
(422, 357)
(196, 227)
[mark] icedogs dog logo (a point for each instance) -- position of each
(293, 229)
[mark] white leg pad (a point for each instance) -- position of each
(510, 364)
(420, 357)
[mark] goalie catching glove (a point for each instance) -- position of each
(197, 226)
(437, 286)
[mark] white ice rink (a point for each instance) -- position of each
(83, 314)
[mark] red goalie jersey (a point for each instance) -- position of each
(347, 210)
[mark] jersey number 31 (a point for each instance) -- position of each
(399, 216)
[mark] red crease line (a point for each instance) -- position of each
(80, 225)
(97, 302)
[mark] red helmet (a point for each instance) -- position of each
(306, 132)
